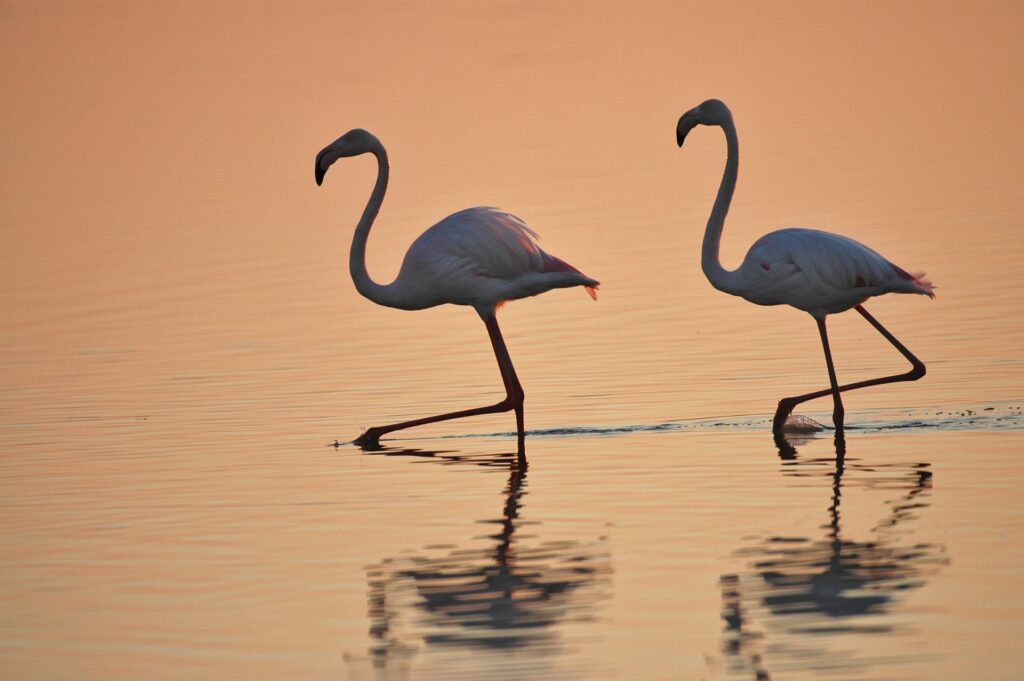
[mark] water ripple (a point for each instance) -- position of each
(994, 416)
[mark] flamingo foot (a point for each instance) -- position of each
(796, 431)
(369, 439)
(782, 412)
(785, 421)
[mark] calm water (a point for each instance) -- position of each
(181, 346)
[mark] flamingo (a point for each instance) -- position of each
(480, 257)
(818, 272)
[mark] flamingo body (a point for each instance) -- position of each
(819, 272)
(480, 257)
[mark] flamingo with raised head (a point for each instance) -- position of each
(817, 272)
(479, 257)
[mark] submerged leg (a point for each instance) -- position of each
(514, 395)
(917, 370)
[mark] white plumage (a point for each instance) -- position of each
(480, 257)
(820, 273)
(817, 272)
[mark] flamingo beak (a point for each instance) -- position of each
(685, 125)
(320, 168)
(339, 148)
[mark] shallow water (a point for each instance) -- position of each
(185, 360)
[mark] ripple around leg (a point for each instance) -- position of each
(798, 423)
(986, 417)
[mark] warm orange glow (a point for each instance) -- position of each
(180, 336)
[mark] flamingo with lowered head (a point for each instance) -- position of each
(817, 272)
(479, 257)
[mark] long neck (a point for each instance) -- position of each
(378, 293)
(721, 278)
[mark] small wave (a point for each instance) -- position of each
(986, 417)
(625, 429)
(990, 417)
(577, 431)
(802, 425)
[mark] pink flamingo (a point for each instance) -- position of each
(479, 257)
(817, 272)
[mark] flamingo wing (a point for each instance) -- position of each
(483, 256)
(821, 272)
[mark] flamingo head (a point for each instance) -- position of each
(711, 112)
(352, 143)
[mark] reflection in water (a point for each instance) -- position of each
(505, 597)
(800, 595)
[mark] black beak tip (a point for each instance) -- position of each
(319, 175)
(683, 127)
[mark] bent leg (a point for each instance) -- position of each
(514, 396)
(917, 370)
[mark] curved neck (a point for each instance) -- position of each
(721, 278)
(378, 293)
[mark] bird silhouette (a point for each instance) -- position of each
(480, 257)
(817, 272)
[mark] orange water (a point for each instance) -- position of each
(180, 342)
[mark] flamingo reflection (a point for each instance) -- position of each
(799, 595)
(509, 596)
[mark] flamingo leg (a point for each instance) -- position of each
(837, 403)
(514, 396)
(917, 370)
(513, 389)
